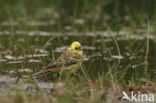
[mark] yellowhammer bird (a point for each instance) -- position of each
(70, 60)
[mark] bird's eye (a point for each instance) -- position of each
(76, 48)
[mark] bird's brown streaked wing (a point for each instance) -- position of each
(67, 58)
(51, 69)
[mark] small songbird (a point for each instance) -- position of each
(70, 60)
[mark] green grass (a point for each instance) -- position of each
(102, 78)
(97, 78)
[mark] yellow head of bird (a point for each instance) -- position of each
(75, 47)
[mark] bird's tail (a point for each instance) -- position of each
(40, 74)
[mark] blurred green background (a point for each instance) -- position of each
(88, 15)
(118, 52)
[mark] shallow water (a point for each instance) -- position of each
(24, 51)
(121, 53)
(8, 84)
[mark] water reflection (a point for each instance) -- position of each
(100, 52)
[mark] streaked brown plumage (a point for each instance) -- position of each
(71, 59)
